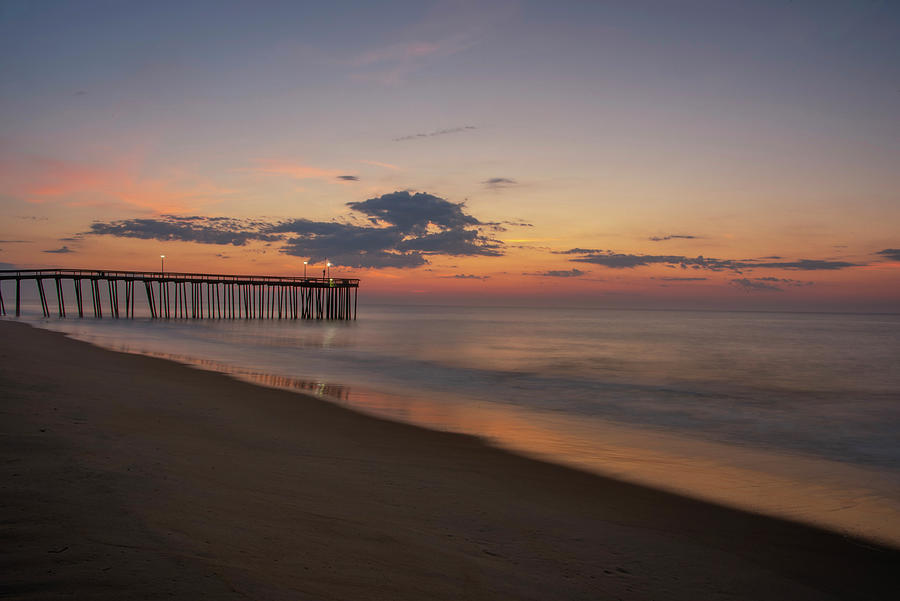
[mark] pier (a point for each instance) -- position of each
(191, 295)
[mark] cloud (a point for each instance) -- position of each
(397, 52)
(60, 251)
(380, 164)
(673, 237)
(453, 242)
(806, 265)
(607, 258)
(430, 32)
(621, 260)
(402, 230)
(437, 132)
(682, 279)
(577, 251)
(120, 182)
(348, 178)
(756, 285)
(346, 244)
(15, 241)
(558, 273)
(413, 213)
(394, 62)
(499, 182)
(204, 230)
(892, 254)
(767, 284)
(294, 170)
(463, 276)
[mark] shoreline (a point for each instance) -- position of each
(150, 477)
(852, 499)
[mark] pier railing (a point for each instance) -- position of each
(195, 295)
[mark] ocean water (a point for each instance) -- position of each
(796, 415)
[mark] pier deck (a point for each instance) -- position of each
(193, 295)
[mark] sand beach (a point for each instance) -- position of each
(129, 477)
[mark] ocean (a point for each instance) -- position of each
(790, 414)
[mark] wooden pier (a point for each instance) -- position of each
(192, 295)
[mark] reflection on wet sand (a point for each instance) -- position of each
(336, 392)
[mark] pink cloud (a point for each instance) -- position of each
(391, 64)
(380, 164)
(295, 170)
(397, 52)
(42, 180)
(446, 29)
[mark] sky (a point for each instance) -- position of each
(673, 154)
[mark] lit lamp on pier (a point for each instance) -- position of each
(329, 270)
(162, 263)
(305, 263)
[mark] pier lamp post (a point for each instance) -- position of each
(162, 263)
(305, 263)
(329, 270)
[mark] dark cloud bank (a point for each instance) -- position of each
(608, 258)
(399, 229)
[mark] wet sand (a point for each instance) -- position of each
(124, 476)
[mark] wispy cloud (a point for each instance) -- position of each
(682, 279)
(559, 273)
(435, 133)
(348, 178)
(60, 251)
(401, 52)
(767, 284)
(499, 182)
(446, 29)
(294, 170)
(673, 237)
(464, 276)
(891, 254)
(119, 183)
(437, 37)
(384, 165)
